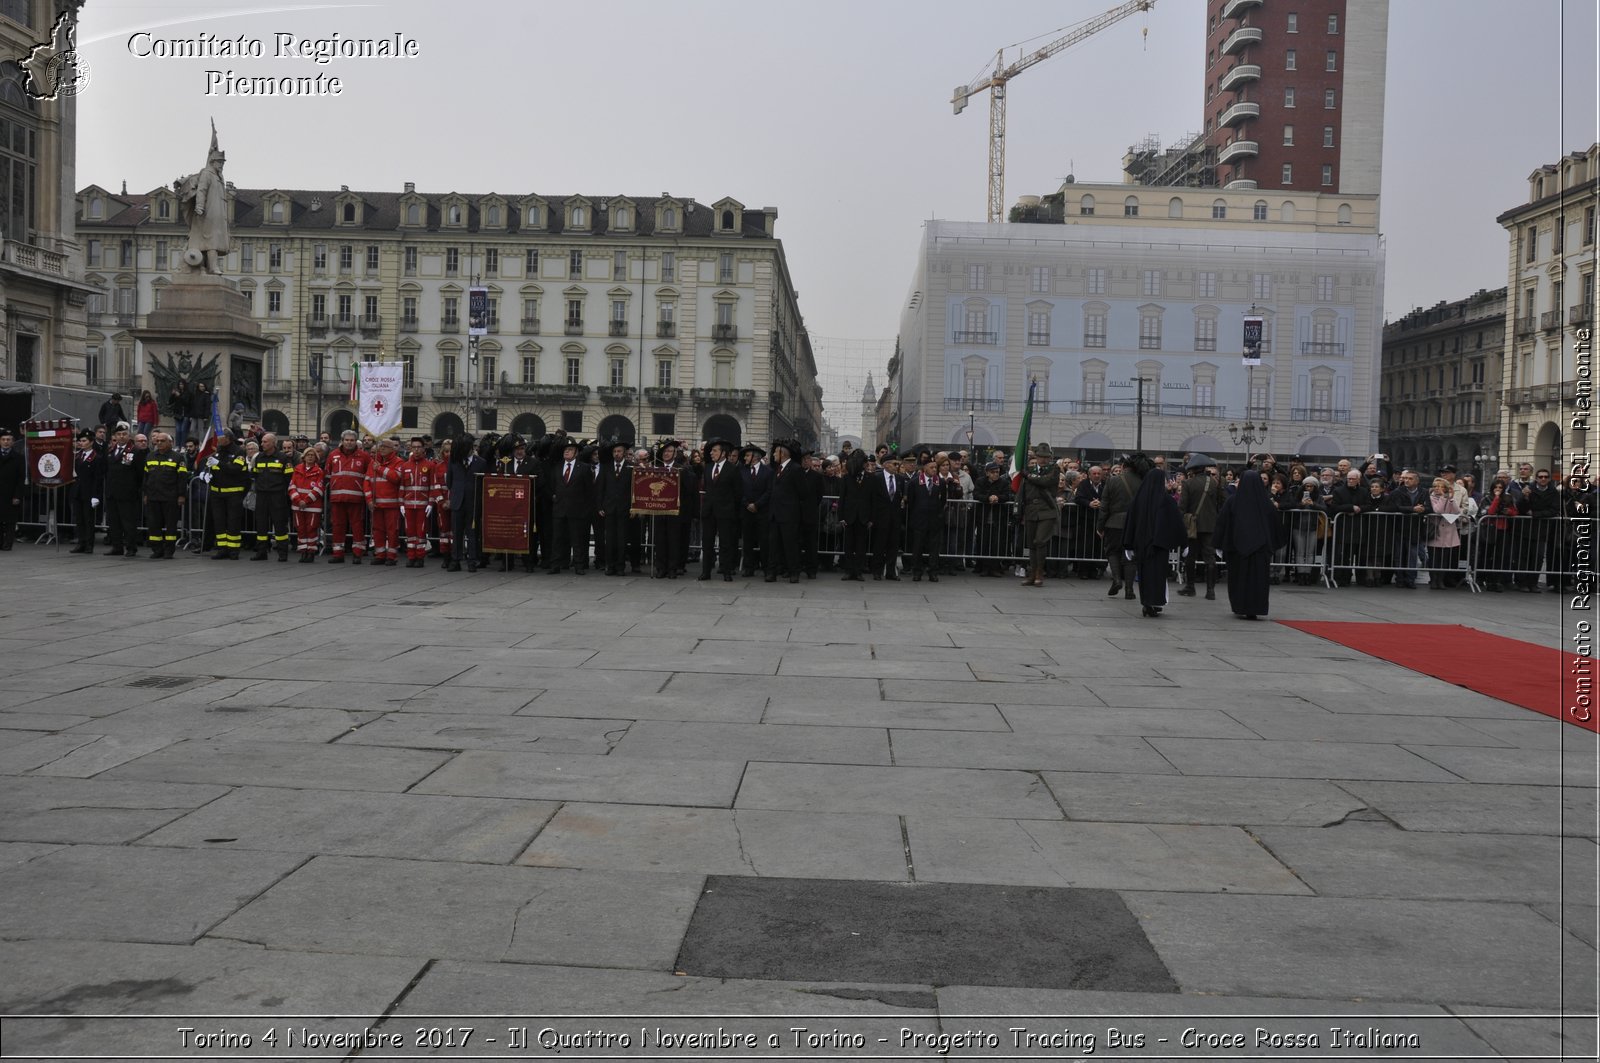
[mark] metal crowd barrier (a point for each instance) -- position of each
(1373, 548)
(1514, 551)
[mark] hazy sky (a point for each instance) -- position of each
(834, 111)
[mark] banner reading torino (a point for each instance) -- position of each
(655, 493)
(380, 395)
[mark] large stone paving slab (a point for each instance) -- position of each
(897, 791)
(297, 765)
(1320, 725)
(1030, 752)
(1298, 760)
(351, 823)
(937, 715)
(1094, 855)
(100, 978)
(92, 810)
(1200, 799)
(1385, 950)
(1462, 806)
(717, 841)
(816, 930)
(453, 731)
(741, 741)
(473, 912)
(1086, 720)
(121, 893)
(577, 777)
(1543, 767)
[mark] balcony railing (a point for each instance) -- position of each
(1578, 315)
(1525, 326)
(550, 392)
(494, 323)
(975, 404)
(344, 323)
(574, 326)
(617, 328)
(1240, 37)
(1301, 413)
(666, 330)
(1239, 112)
(1550, 320)
(446, 391)
(725, 333)
(1239, 75)
(1038, 339)
(370, 323)
(37, 259)
(317, 323)
(126, 317)
(1239, 149)
(737, 397)
(1323, 348)
(663, 396)
(616, 396)
(976, 337)
(530, 326)
(450, 323)
(410, 324)
(1236, 8)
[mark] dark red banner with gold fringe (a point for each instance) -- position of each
(507, 514)
(655, 493)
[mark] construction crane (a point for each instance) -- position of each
(996, 84)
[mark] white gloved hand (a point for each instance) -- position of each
(1219, 554)
(1128, 554)
(1185, 552)
(94, 503)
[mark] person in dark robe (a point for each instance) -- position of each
(1153, 529)
(1248, 531)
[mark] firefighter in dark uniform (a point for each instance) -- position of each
(274, 469)
(166, 484)
(230, 477)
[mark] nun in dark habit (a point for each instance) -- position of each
(1248, 530)
(1154, 529)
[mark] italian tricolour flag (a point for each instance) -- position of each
(1019, 456)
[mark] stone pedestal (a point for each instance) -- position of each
(205, 317)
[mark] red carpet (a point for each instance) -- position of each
(1516, 672)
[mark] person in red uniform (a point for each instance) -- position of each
(419, 490)
(441, 502)
(347, 497)
(384, 474)
(307, 488)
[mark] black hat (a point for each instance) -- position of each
(751, 448)
(1448, 468)
(994, 466)
(718, 441)
(570, 442)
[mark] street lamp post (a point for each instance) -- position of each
(1247, 437)
(1138, 414)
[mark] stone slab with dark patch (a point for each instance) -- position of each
(929, 933)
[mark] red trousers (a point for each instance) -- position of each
(349, 518)
(416, 532)
(308, 530)
(386, 533)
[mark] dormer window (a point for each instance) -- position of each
(97, 207)
(533, 216)
(413, 214)
(164, 209)
(454, 214)
(669, 218)
(619, 218)
(577, 217)
(727, 221)
(349, 212)
(494, 216)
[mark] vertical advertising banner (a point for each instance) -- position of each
(381, 385)
(48, 445)
(1252, 340)
(477, 311)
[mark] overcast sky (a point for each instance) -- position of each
(834, 111)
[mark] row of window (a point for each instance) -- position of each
(1530, 238)
(1041, 279)
(1219, 207)
(1461, 413)
(976, 387)
(454, 373)
(1291, 25)
(1394, 383)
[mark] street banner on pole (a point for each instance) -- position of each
(477, 311)
(1252, 340)
(381, 385)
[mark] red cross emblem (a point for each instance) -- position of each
(377, 406)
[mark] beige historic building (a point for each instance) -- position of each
(612, 316)
(1119, 292)
(1551, 300)
(43, 293)
(1441, 385)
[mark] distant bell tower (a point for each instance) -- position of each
(869, 413)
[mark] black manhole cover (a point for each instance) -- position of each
(824, 930)
(162, 681)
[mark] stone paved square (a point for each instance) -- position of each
(528, 796)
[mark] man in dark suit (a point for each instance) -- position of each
(719, 517)
(11, 476)
(88, 488)
(886, 503)
(925, 502)
(812, 488)
(783, 512)
(124, 472)
(571, 509)
(615, 490)
(667, 531)
(854, 488)
(756, 481)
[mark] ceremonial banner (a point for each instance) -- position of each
(1252, 340)
(48, 445)
(655, 493)
(507, 514)
(381, 384)
(477, 311)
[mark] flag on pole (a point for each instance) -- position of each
(209, 443)
(355, 382)
(1019, 456)
(379, 410)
